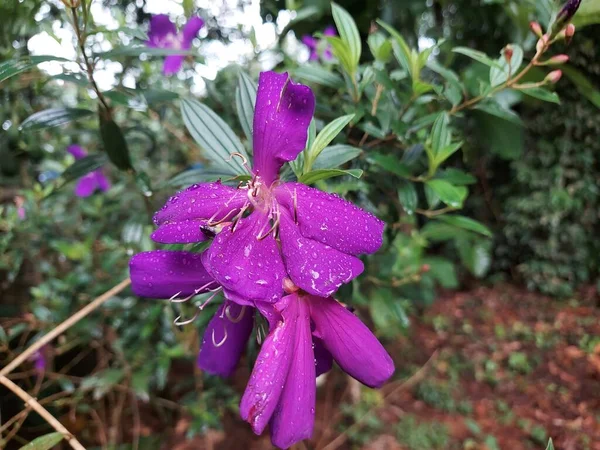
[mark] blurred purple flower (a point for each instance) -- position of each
(181, 274)
(39, 360)
(313, 44)
(20, 204)
(319, 233)
(90, 182)
(163, 34)
(307, 332)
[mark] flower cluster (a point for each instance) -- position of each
(320, 47)
(279, 249)
(163, 34)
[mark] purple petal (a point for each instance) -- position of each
(172, 64)
(102, 181)
(281, 118)
(165, 274)
(225, 339)
(309, 41)
(244, 265)
(323, 359)
(294, 418)
(332, 220)
(190, 30)
(160, 27)
(86, 185)
(271, 368)
(350, 342)
(315, 267)
(77, 151)
(330, 31)
(202, 201)
(184, 232)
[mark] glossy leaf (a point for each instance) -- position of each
(328, 134)
(313, 73)
(453, 196)
(245, 99)
(53, 117)
(14, 67)
(348, 31)
(84, 166)
(542, 94)
(465, 223)
(335, 155)
(214, 136)
(401, 49)
(45, 442)
(495, 109)
(114, 143)
(407, 194)
(476, 256)
(477, 56)
(440, 133)
(323, 174)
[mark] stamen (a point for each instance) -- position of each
(259, 334)
(261, 236)
(180, 322)
(222, 340)
(238, 218)
(234, 319)
(243, 158)
(215, 291)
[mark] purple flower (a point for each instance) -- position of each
(307, 332)
(181, 275)
(163, 34)
(314, 44)
(89, 183)
(568, 10)
(40, 362)
(319, 234)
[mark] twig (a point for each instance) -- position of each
(64, 326)
(414, 379)
(43, 412)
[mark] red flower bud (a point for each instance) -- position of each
(557, 60)
(508, 52)
(536, 29)
(553, 76)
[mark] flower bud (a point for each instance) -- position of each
(567, 12)
(557, 60)
(508, 52)
(553, 77)
(569, 32)
(536, 29)
(542, 43)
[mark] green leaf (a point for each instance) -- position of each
(341, 51)
(440, 133)
(83, 166)
(503, 138)
(477, 56)
(493, 108)
(399, 46)
(313, 73)
(114, 143)
(328, 134)
(137, 51)
(407, 194)
(381, 48)
(46, 442)
(245, 99)
(200, 175)
(53, 117)
(214, 136)
(446, 152)
(456, 177)
(476, 256)
(443, 271)
(550, 445)
(323, 174)
(583, 84)
(542, 94)
(389, 163)
(499, 75)
(349, 34)
(14, 67)
(335, 155)
(466, 223)
(453, 196)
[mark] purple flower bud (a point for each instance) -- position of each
(568, 11)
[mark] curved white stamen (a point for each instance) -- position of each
(243, 158)
(235, 319)
(222, 340)
(180, 322)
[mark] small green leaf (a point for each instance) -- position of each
(335, 155)
(399, 46)
(476, 256)
(493, 108)
(477, 56)
(313, 73)
(407, 194)
(456, 177)
(191, 176)
(14, 67)
(550, 445)
(53, 117)
(389, 163)
(137, 51)
(328, 134)
(114, 143)
(214, 136)
(341, 51)
(83, 166)
(381, 48)
(446, 152)
(46, 442)
(443, 271)
(348, 33)
(440, 133)
(466, 224)
(542, 94)
(453, 196)
(499, 75)
(323, 174)
(245, 99)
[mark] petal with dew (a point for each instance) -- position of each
(271, 369)
(281, 118)
(350, 342)
(160, 27)
(190, 30)
(202, 201)
(329, 219)
(184, 232)
(225, 339)
(86, 185)
(245, 262)
(294, 417)
(313, 266)
(166, 274)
